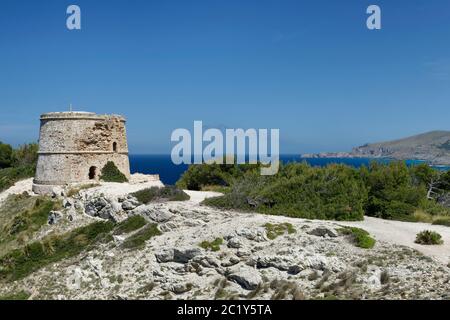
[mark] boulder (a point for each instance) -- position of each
(67, 203)
(247, 277)
(108, 209)
(278, 262)
(316, 262)
(235, 243)
(180, 288)
(130, 204)
(159, 216)
(323, 231)
(207, 261)
(164, 255)
(58, 192)
(149, 211)
(54, 217)
(183, 255)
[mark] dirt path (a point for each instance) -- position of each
(404, 233)
(17, 188)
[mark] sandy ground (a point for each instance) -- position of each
(404, 233)
(199, 196)
(113, 189)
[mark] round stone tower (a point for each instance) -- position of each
(75, 146)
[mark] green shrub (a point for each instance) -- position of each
(275, 230)
(203, 175)
(360, 237)
(428, 237)
(19, 263)
(213, 245)
(5, 155)
(130, 224)
(166, 193)
(110, 173)
(138, 239)
(392, 192)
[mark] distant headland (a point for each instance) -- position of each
(432, 147)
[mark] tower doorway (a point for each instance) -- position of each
(92, 173)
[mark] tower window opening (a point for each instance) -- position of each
(115, 146)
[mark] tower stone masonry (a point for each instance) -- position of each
(75, 146)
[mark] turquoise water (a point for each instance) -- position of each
(170, 173)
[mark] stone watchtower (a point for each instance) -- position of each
(75, 146)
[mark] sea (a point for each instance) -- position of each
(170, 173)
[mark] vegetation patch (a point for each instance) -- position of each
(16, 164)
(360, 237)
(213, 245)
(110, 173)
(275, 230)
(20, 217)
(31, 220)
(213, 175)
(334, 192)
(428, 237)
(298, 190)
(21, 262)
(167, 193)
(138, 239)
(130, 224)
(21, 295)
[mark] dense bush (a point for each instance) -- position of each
(339, 192)
(167, 193)
(110, 173)
(199, 176)
(392, 194)
(299, 190)
(5, 155)
(429, 237)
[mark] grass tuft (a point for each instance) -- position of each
(130, 224)
(275, 230)
(213, 246)
(360, 236)
(138, 239)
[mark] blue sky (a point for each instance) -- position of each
(310, 68)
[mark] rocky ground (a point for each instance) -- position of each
(305, 260)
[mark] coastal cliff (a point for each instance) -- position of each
(433, 147)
